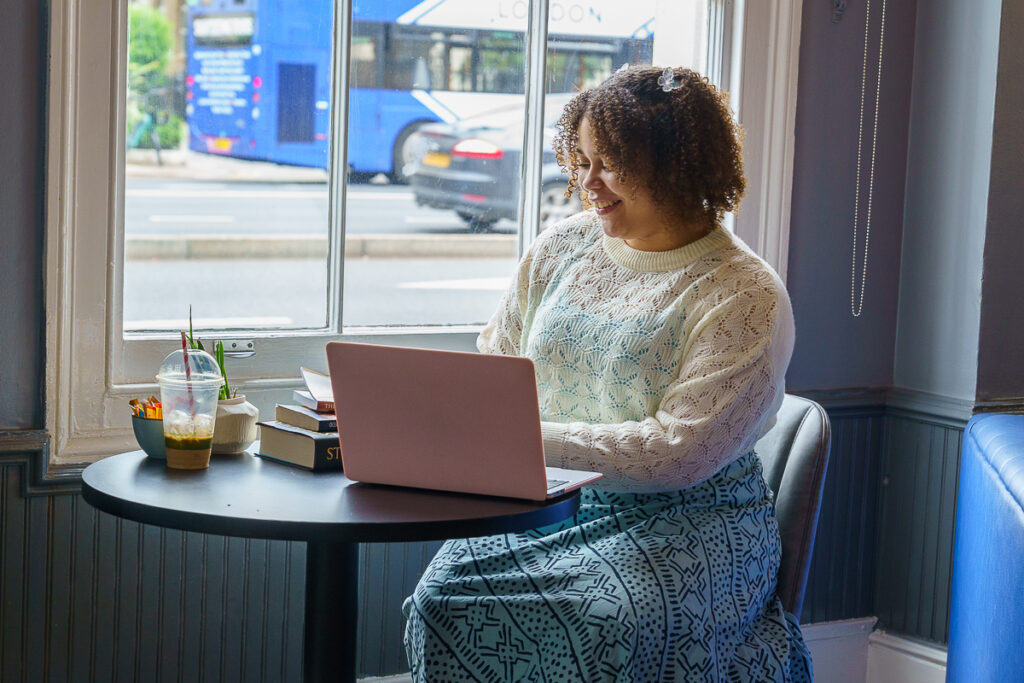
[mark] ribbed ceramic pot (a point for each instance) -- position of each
(235, 428)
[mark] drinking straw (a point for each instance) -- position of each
(184, 350)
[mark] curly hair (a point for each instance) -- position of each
(682, 145)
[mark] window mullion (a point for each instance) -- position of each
(533, 131)
(717, 39)
(732, 49)
(338, 157)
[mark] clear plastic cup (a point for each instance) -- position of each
(188, 395)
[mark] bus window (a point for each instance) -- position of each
(594, 69)
(500, 67)
(460, 68)
(437, 57)
(364, 62)
(428, 59)
(562, 71)
(405, 49)
(574, 71)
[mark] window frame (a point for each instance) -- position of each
(91, 371)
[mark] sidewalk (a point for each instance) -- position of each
(190, 247)
(187, 165)
(184, 164)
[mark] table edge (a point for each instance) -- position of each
(555, 511)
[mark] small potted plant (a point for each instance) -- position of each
(235, 427)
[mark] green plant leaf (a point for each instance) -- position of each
(218, 351)
(193, 343)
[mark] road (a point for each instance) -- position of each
(272, 293)
(182, 207)
(292, 292)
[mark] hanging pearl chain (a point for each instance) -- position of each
(857, 306)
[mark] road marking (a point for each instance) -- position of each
(262, 194)
(496, 284)
(178, 324)
(191, 218)
(228, 194)
(228, 237)
(433, 219)
(380, 195)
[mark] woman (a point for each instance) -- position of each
(660, 344)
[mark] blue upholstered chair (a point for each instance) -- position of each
(794, 454)
(986, 619)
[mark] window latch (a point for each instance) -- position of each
(239, 348)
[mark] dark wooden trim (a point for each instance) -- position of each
(900, 402)
(1014, 405)
(30, 449)
(848, 402)
(928, 407)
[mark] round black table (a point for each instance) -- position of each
(247, 496)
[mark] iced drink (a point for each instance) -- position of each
(188, 439)
(189, 386)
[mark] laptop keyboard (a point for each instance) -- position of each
(555, 483)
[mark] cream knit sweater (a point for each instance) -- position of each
(653, 368)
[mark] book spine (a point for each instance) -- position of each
(327, 455)
(318, 426)
(304, 398)
(321, 423)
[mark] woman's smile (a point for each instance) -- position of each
(604, 208)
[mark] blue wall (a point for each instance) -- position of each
(22, 124)
(833, 349)
(947, 196)
(1000, 370)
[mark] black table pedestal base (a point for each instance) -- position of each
(332, 583)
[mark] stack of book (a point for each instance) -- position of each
(304, 435)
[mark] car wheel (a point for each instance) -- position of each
(405, 152)
(475, 223)
(554, 205)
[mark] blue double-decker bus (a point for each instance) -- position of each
(258, 71)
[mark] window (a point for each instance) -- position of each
(226, 30)
(325, 108)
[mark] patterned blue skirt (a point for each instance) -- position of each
(636, 587)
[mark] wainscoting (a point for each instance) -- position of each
(86, 596)
(885, 537)
(841, 580)
(920, 470)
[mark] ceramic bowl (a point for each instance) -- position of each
(150, 435)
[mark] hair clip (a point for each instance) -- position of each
(667, 80)
(624, 67)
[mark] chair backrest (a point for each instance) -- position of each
(794, 455)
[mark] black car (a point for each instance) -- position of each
(472, 167)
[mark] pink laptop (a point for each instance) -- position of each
(443, 420)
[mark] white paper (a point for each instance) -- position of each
(318, 384)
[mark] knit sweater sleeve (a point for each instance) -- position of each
(730, 385)
(503, 332)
